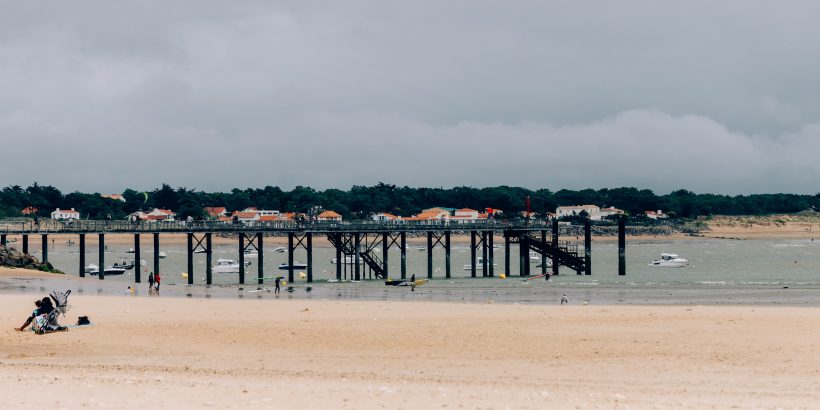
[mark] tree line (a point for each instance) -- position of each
(360, 201)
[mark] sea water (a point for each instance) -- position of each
(711, 262)
(720, 271)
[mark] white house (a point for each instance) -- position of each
(216, 211)
(160, 215)
(329, 216)
(385, 217)
(64, 214)
(656, 214)
(466, 215)
(605, 212)
(594, 212)
(430, 215)
(246, 216)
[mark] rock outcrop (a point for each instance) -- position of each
(13, 258)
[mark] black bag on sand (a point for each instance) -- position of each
(83, 320)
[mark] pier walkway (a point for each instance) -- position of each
(365, 244)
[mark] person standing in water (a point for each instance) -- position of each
(150, 282)
(157, 280)
(276, 285)
(413, 282)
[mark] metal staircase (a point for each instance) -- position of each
(563, 254)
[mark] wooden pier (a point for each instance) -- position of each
(366, 244)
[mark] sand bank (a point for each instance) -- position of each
(162, 352)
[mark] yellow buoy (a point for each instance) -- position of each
(184, 275)
(502, 276)
(302, 275)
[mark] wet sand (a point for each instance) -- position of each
(300, 351)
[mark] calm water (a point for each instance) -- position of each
(712, 261)
(750, 272)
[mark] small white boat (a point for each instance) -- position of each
(200, 250)
(227, 266)
(251, 253)
(479, 263)
(280, 249)
(296, 265)
(348, 260)
(93, 269)
(162, 255)
(130, 250)
(534, 257)
(670, 260)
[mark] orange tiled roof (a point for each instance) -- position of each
(268, 218)
(329, 214)
(214, 210)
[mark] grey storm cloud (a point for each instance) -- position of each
(710, 96)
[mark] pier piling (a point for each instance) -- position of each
(208, 260)
(82, 255)
(156, 260)
(260, 259)
(101, 257)
(137, 260)
(44, 247)
(403, 241)
(587, 248)
(622, 246)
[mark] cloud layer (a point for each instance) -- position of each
(710, 97)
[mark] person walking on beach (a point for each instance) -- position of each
(150, 282)
(564, 299)
(276, 285)
(157, 280)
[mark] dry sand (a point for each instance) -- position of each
(792, 226)
(161, 352)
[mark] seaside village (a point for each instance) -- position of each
(437, 215)
(252, 215)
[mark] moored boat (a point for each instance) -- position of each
(93, 269)
(296, 265)
(227, 266)
(670, 260)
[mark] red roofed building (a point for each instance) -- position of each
(63, 214)
(465, 215)
(385, 217)
(216, 211)
(246, 216)
(29, 210)
(329, 216)
(160, 215)
(434, 214)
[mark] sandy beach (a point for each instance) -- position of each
(172, 352)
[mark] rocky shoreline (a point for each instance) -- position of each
(15, 259)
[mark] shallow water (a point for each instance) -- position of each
(720, 272)
(712, 262)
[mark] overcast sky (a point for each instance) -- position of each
(712, 96)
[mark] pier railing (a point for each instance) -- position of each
(103, 226)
